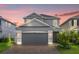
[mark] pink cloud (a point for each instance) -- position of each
(15, 15)
(3, 5)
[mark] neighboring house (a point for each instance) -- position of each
(71, 24)
(38, 29)
(7, 28)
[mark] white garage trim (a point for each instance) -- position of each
(19, 36)
(34, 32)
(50, 37)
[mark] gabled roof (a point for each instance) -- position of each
(1, 18)
(49, 17)
(33, 21)
(40, 23)
(74, 17)
(33, 15)
(45, 15)
(42, 16)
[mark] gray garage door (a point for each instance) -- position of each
(35, 38)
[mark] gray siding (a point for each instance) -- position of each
(54, 22)
(34, 28)
(49, 22)
(34, 23)
(8, 28)
(67, 25)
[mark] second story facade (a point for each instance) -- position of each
(50, 20)
(71, 23)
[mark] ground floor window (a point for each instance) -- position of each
(55, 35)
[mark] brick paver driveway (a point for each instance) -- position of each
(32, 49)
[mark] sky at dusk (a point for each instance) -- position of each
(16, 12)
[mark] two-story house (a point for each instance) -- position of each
(71, 24)
(38, 29)
(7, 28)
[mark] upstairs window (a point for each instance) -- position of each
(72, 22)
(77, 22)
(6, 23)
(55, 23)
(9, 24)
(0, 22)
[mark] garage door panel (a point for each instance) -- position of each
(34, 38)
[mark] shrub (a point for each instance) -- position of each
(74, 37)
(1, 39)
(77, 38)
(67, 38)
(64, 40)
(7, 39)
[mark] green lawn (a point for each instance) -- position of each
(3, 46)
(73, 50)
